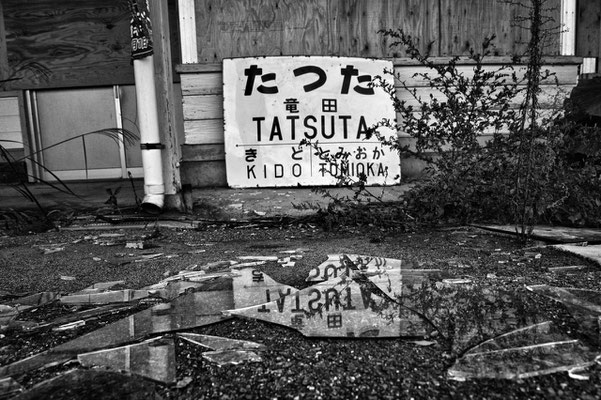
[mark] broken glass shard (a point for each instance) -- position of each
(583, 304)
(92, 384)
(188, 311)
(592, 253)
(34, 300)
(90, 314)
(7, 314)
(531, 351)
(231, 357)
(252, 287)
(225, 351)
(112, 296)
(153, 359)
(220, 343)
(340, 307)
(167, 291)
(100, 286)
(9, 388)
(570, 269)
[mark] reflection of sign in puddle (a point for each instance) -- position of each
(341, 307)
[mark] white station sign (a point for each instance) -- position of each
(271, 104)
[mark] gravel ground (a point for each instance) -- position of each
(294, 366)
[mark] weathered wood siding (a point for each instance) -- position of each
(349, 27)
(202, 90)
(588, 32)
(247, 28)
(80, 42)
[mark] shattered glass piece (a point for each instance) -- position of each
(544, 332)
(153, 359)
(69, 326)
(188, 311)
(111, 296)
(592, 253)
(92, 384)
(19, 325)
(100, 286)
(467, 314)
(90, 314)
(36, 361)
(583, 304)
(7, 314)
(252, 287)
(231, 357)
(34, 300)
(531, 351)
(220, 343)
(191, 276)
(340, 307)
(249, 264)
(567, 269)
(9, 388)
(333, 266)
(258, 258)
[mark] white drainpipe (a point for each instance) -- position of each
(150, 140)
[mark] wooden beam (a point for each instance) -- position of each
(166, 104)
(187, 31)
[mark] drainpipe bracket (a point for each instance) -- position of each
(152, 146)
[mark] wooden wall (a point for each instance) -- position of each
(588, 32)
(349, 27)
(202, 89)
(80, 42)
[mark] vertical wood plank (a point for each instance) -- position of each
(567, 36)
(187, 29)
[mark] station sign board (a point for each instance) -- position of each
(272, 104)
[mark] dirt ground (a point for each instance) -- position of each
(292, 366)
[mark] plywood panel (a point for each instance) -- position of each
(350, 27)
(588, 33)
(467, 22)
(203, 107)
(359, 21)
(81, 43)
(261, 28)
